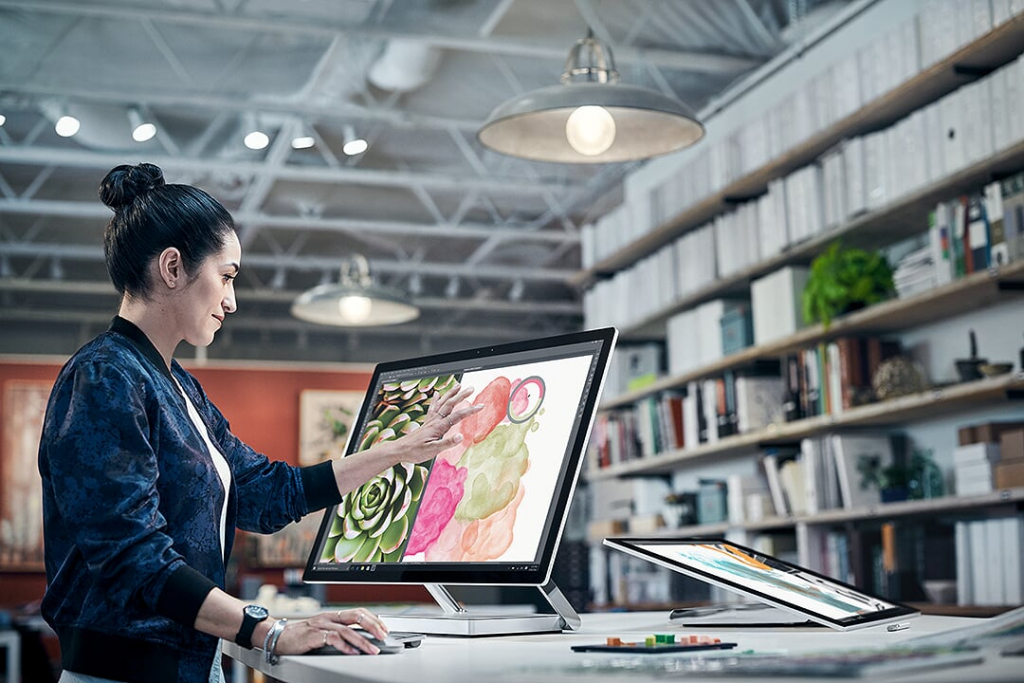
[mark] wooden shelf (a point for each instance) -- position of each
(915, 407)
(970, 293)
(991, 51)
(899, 220)
(908, 508)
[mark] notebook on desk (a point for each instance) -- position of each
(767, 580)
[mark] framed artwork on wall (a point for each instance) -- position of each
(325, 422)
(21, 496)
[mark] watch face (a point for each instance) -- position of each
(257, 612)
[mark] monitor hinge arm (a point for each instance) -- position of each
(555, 597)
(446, 600)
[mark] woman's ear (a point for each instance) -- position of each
(170, 267)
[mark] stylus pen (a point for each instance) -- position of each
(901, 626)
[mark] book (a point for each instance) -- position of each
(855, 455)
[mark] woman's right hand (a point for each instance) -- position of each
(337, 629)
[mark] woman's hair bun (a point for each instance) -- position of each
(124, 183)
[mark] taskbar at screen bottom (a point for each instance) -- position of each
(424, 573)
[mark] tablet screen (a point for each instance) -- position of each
(767, 579)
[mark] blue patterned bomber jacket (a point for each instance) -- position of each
(132, 506)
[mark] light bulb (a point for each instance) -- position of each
(67, 126)
(590, 130)
(144, 132)
(257, 140)
(354, 147)
(303, 142)
(3, 119)
(355, 309)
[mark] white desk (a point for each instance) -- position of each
(547, 657)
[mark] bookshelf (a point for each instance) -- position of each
(929, 404)
(991, 51)
(972, 292)
(871, 230)
(884, 225)
(907, 508)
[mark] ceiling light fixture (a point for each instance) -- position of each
(355, 301)
(142, 130)
(353, 144)
(590, 118)
(303, 138)
(255, 138)
(67, 126)
(3, 119)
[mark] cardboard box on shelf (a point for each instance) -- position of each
(1009, 474)
(1011, 445)
(989, 432)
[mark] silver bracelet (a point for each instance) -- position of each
(270, 642)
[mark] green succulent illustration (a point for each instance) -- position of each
(372, 523)
(401, 407)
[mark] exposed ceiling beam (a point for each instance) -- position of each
(222, 103)
(260, 324)
(97, 211)
(691, 60)
(96, 288)
(315, 263)
(352, 175)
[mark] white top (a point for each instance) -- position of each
(220, 463)
(547, 658)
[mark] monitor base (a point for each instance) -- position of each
(474, 624)
(456, 621)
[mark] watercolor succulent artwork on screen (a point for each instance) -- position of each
(486, 499)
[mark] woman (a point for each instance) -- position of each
(143, 482)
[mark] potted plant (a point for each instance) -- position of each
(843, 279)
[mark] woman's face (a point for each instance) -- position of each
(211, 294)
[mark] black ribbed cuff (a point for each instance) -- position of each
(183, 595)
(320, 485)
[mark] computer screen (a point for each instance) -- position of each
(491, 509)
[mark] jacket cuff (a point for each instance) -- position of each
(320, 486)
(183, 595)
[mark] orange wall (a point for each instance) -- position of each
(262, 405)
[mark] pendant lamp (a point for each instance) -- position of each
(590, 118)
(355, 301)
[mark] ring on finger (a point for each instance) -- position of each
(450, 423)
(359, 619)
(325, 637)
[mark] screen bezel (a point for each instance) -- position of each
(635, 547)
(473, 573)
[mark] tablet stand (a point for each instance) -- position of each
(455, 620)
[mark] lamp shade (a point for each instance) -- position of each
(534, 125)
(591, 118)
(354, 302)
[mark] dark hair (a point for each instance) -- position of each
(150, 216)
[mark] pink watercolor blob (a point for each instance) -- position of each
(443, 494)
(494, 399)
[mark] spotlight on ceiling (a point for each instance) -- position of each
(67, 126)
(255, 138)
(353, 143)
(3, 119)
(590, 118)
(355, 301)
(142, 130)
(303, 138)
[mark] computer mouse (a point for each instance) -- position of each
(388, 646)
